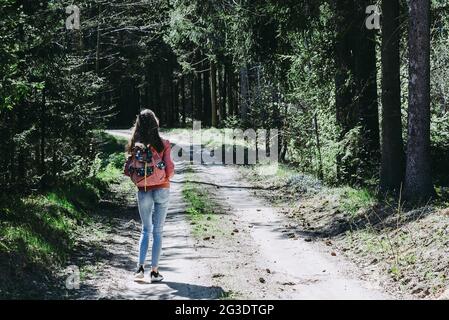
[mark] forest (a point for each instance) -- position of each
(358, 89)
(312, 69)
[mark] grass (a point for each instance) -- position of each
(280, 174)
(355, 200)
(201, 211)
(41, 226)
(110, 174)
(87, 271)
(229, 295)
(351, 201)
(38, 233)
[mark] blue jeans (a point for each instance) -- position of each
(153, 206)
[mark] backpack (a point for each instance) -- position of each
(145, 167)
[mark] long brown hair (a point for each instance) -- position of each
(146, 131)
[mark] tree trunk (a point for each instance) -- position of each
(98, 42)
(230, 91)
(183, 100)
(318, 146)
(207, 106)
(393, 157)
(220, 93)
(356, 91)
(418, 179)
(366, 94)
(151, 86)
(171, 101)
(244, 93)
(213, 93)
(344, 86)
(192, 96)
(157, 93)
(224, 102)
(198, 96)
(42, 142)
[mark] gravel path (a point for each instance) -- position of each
(258, 255)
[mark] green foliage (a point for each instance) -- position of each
(117, 160)
(42, 227)
(38, 232)
(232, 122)
(110, 174)
(439, 98)
(59, 85)
(46, 102)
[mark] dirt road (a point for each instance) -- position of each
(258, 254)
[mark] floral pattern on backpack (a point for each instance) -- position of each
(145, 166)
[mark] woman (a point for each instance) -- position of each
(153, 200)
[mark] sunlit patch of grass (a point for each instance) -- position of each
(110, 174)
(39, 228)
(229, 295)
(272, 174)
(60, 201)
(201, 211)
(353, 200)
(87, 271)
(16, 237)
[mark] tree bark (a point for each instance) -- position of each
(42, 142)
(244, 93)
(418, 179)
(393, 156)
(356, 91)
(98, 42)
(220, 93)
(344, 86)
(365, 70)
(318, 146)
(183, 100)
(198, 96)
(207, 105)
(157, 93)
(213, 93)
(224, 95)
(230, 90)
(176, 103)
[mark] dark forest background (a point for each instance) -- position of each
(354, 106)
